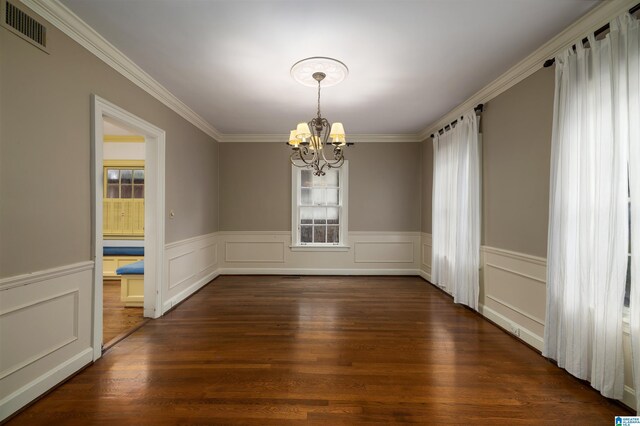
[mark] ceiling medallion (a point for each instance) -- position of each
(308, 139)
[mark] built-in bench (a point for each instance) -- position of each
(132, 283)
(116, 257)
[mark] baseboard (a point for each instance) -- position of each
(29, 392)
(629, 397)
(512, 327)
(169, 304)
(306, 271)
(425, 275)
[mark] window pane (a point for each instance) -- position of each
(331, 178)
(306, 196)
(320, 215)
(125, 191)
(138, 176)
(113, 191)
(138, 191)
(318, 196)
(333, 234)
(306, 215)
(113, 175)
(319, 181)
(125, 177)
(333, 215)
(306, 177)
(306, 234)
(332, 197)
(319, 234)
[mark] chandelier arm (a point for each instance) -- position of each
(338, 157)
(304, 152)
(293, 159)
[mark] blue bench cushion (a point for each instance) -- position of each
(136, 268)
(123, 251)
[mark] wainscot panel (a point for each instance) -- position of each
(190, 264)
(45, 330)
(366, 253)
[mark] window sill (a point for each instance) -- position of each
(319, 248)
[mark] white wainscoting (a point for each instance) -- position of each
(369, 253)
(45, 331)
(189, 265)
(425, 256)
(514, 292)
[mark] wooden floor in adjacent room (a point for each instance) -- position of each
(326, 350)
(117, 319)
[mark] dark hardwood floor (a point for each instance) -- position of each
(117, 319)
(326, 350)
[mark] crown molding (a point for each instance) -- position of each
(282, 138)
(591, 21)
(70, 24)
(78, 30)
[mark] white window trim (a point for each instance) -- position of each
(344, 213)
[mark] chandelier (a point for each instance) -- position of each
(310, 140)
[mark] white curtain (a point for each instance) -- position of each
(630, 44)
(588, 214)
(455, 259)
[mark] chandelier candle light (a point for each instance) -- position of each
(308, 139)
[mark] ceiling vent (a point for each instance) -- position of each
(24, 25)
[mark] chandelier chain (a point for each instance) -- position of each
(318, 98)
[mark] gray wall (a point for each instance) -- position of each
(384, 187)
(45, 203)
(516, 128)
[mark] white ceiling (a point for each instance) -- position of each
(410, 62)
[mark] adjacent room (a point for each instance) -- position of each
(345, 212)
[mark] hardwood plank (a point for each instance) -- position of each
(117, 319)
(321, 350)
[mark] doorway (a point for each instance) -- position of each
(132, 229)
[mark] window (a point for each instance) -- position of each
(123, 199)
(319, 208)
(124, 182)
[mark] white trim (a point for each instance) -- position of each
(514, 328)
(223, 233)
(154, 215)
(169, 304)
(518, 273)
(27, 393)
(590, 22)
(629, 397)
(47, 274)
(314, 247)
(343, 185)
(188, 241)
(399, 234)
(515, 255)
(516, 309)
(309, 271)
(70, 24)
(426, 276)
(355, 138)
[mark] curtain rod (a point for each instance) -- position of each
(596, 33)
(478, 109)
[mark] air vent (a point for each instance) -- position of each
(24, 25)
